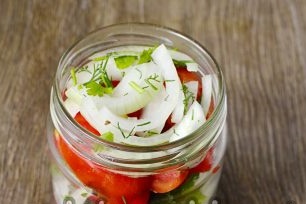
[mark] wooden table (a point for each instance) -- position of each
(260, 44)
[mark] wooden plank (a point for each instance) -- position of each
(259, 44)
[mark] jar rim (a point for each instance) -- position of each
(200, 132)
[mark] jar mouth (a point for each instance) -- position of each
(109, 35)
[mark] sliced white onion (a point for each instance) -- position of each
(126, 99)
(163, 59)
(129, 124)
(149, 141)
(155, 110)
(101, 122)
(178, 112)
(193, 119)
(192, 67)
(72, 107)
(193, 87)
(206, 92)
(75, 94)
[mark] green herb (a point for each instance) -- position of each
(169, 80)
(166, 98)
(98, 148)
(174, 132)
(122, 132)
(83, 69)
(99, 82)
(97, 59)
(139, 73)
(73, 76)
(150, 133)
(181, 63)
(80, 86)
(123, 62)
(192, 116)
(105, 80)
(109, 136)
(136, 87)
(84, 194)
(94, 89)
(153, 77)
(143, 124)
(145, 56)
(188, 96)
(182, 194)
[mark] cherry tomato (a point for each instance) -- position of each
(186, 76)
(165, 182)
(206, 164)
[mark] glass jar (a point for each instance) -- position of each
(100, 178)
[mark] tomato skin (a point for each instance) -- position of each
(211, 108)
(101, 180)
(96, 176)
(206, 164)
(83, 122)
(115, 83)
(186, 76)
(136, 114)
(168, 181)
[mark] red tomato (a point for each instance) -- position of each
(186, 76)
(206, 164)
(168, 124)
(83, 122)
(101, 180)
(97, 177)
(136, 114)
(115, 83)
(211, 108)
(165, 182)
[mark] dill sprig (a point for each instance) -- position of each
(143, 124)
(99, 83)
(188, 97)
(122, 132)
(153, 77)
(136, 87)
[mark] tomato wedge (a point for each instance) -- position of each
(206, 164)
(165, 182)
(211, 108)
(186, 76)
(83, 122)
(96, 176)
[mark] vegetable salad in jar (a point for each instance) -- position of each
(135, 124)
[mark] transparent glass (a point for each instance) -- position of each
(129, 168)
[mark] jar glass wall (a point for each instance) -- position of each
(124, 173)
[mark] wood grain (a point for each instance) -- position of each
(261, 46)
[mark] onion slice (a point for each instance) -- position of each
(193, 119)
(163, 59)
(206, 92)
(125, 99)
